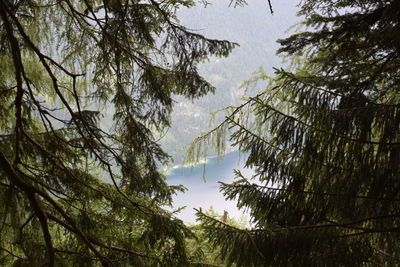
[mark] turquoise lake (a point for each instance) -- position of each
(203, 188)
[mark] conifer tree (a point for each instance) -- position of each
(324, 142)
(83, 87)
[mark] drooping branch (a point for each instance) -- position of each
(13, 254)
(16, 55)
(30, 191)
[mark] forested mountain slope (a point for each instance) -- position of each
(256, 30)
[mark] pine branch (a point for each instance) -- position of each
(20, 91)
(289, 117)
(320, 193)
(12, 254)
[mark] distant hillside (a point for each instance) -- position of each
(256, 31)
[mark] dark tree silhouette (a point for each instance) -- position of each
(324, 141)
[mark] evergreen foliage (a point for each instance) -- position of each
(202, 252)
(324, 141)
(76, 190)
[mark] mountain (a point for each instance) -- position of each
(256, 30)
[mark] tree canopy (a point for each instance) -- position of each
(324, 141)
(77, 189)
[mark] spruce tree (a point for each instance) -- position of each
(324, 141)
(84, 87)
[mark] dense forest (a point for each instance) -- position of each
(87, 92)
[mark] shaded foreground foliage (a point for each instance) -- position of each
(324, 141)
(75, 189)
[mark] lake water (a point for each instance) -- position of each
(203, 187)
